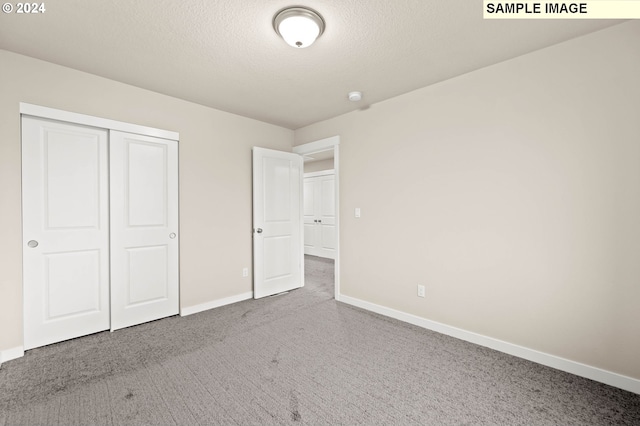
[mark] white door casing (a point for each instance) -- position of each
(65, 201)
(144, 228)
(277, 222)
(319, 214)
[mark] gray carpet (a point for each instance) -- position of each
(299, 358)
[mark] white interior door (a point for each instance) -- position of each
(144, 229)
(277, 234)
(320, 215)
(65, 231)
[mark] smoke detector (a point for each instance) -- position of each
(355, 96)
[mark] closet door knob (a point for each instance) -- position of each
(172, 235)
(259, 230)
(32, 244)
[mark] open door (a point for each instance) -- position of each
(277, 222)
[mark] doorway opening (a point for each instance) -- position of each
(321, 249)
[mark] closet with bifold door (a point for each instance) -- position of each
(100, 225)
(319, 214)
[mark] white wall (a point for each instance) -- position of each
(317, 166)
(215, 176)
(512, 193)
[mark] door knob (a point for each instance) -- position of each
(32, 244)
(172, 235)
(259, 230)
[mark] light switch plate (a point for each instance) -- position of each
(357, 211)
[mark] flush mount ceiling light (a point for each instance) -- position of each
(298, 26)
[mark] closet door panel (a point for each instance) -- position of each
(144, 229)
(319, 216)
(309, 215)
(327, 210)
(65, 231)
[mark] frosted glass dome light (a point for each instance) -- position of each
(298, 26)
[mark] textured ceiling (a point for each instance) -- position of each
(225, 54)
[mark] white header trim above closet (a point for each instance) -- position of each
(320, 145)
(320, 173)
(88, 120)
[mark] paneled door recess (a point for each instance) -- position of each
(100, 218)
(320, 214)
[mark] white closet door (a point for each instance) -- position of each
(65, 231)
(320, 216)
(144, 228)
(327, 216)
(309, 205)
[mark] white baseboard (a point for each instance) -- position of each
(613, 379)
(215, 304)
(9, 354)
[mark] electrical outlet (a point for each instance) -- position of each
(245, 272)
(421, 291)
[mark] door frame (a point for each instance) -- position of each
(327, 144)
